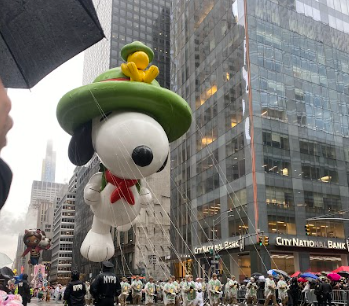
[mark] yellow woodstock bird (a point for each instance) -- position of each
(138, 57)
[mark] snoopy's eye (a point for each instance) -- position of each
(104, 116)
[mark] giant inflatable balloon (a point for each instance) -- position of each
(128, 120)
(32, 239)
(36, 241)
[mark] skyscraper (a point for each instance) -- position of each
(48, 172)
(268, 148)
(63, 233)
(125, 21)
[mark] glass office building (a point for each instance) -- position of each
(268, 83)
(145, 21)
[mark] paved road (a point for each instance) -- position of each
(36, 302)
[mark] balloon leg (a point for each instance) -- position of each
(98, 244)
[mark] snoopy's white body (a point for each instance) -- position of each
(114, 139)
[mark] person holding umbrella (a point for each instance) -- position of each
(318, 293)
(6, 124)
(24, 290)
(294, 292)
(326, 290)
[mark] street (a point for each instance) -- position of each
(36, 302)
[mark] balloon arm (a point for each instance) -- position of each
(27, 250)
(145, 194)
(92, 191)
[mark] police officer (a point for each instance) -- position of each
(105, 286)
(24, 290)
(75, 291)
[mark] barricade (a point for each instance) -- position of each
(339, 297)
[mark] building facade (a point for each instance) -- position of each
(63, 234)
(39, 215)
(83, 220)
(268, 148)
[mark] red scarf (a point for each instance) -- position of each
(122, 188)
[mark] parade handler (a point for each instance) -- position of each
(214, 290)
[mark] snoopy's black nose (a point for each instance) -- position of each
(142, 156)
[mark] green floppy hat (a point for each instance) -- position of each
(113, 91)
(136, 46)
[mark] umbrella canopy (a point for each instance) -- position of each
(7, 273)
(309, 275)
(343, 273)
(256, 275)
(38, 36)
(261, 278)
(302, 280)
(272, 272)
(4, 260)
(334, 277)
(296, 274)
(283, 273)
(341, 269)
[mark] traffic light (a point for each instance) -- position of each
(307, 229)
(211, 251)
(260, 240)
(266, 240)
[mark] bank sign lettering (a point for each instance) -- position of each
(307, 243)
(226, 245)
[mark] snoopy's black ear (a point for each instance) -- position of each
(163, 165)
(80, 149)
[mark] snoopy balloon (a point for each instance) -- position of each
(128, 120)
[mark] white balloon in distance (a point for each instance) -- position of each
(115, 140)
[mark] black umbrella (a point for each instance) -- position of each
(37, 36)
(7, 273)
(343, 273)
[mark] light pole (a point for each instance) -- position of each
(219, 219)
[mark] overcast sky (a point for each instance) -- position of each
(34, 115)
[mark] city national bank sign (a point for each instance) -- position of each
(226, 245)
(309, 243)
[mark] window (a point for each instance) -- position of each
(326, 229)
(281, 225)
(281, 197)
(318, 202)
(277, 166)
(322, 174)
(234, 145)
(238, 225)
(236, 199)
(210, 209)
(276, 140)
